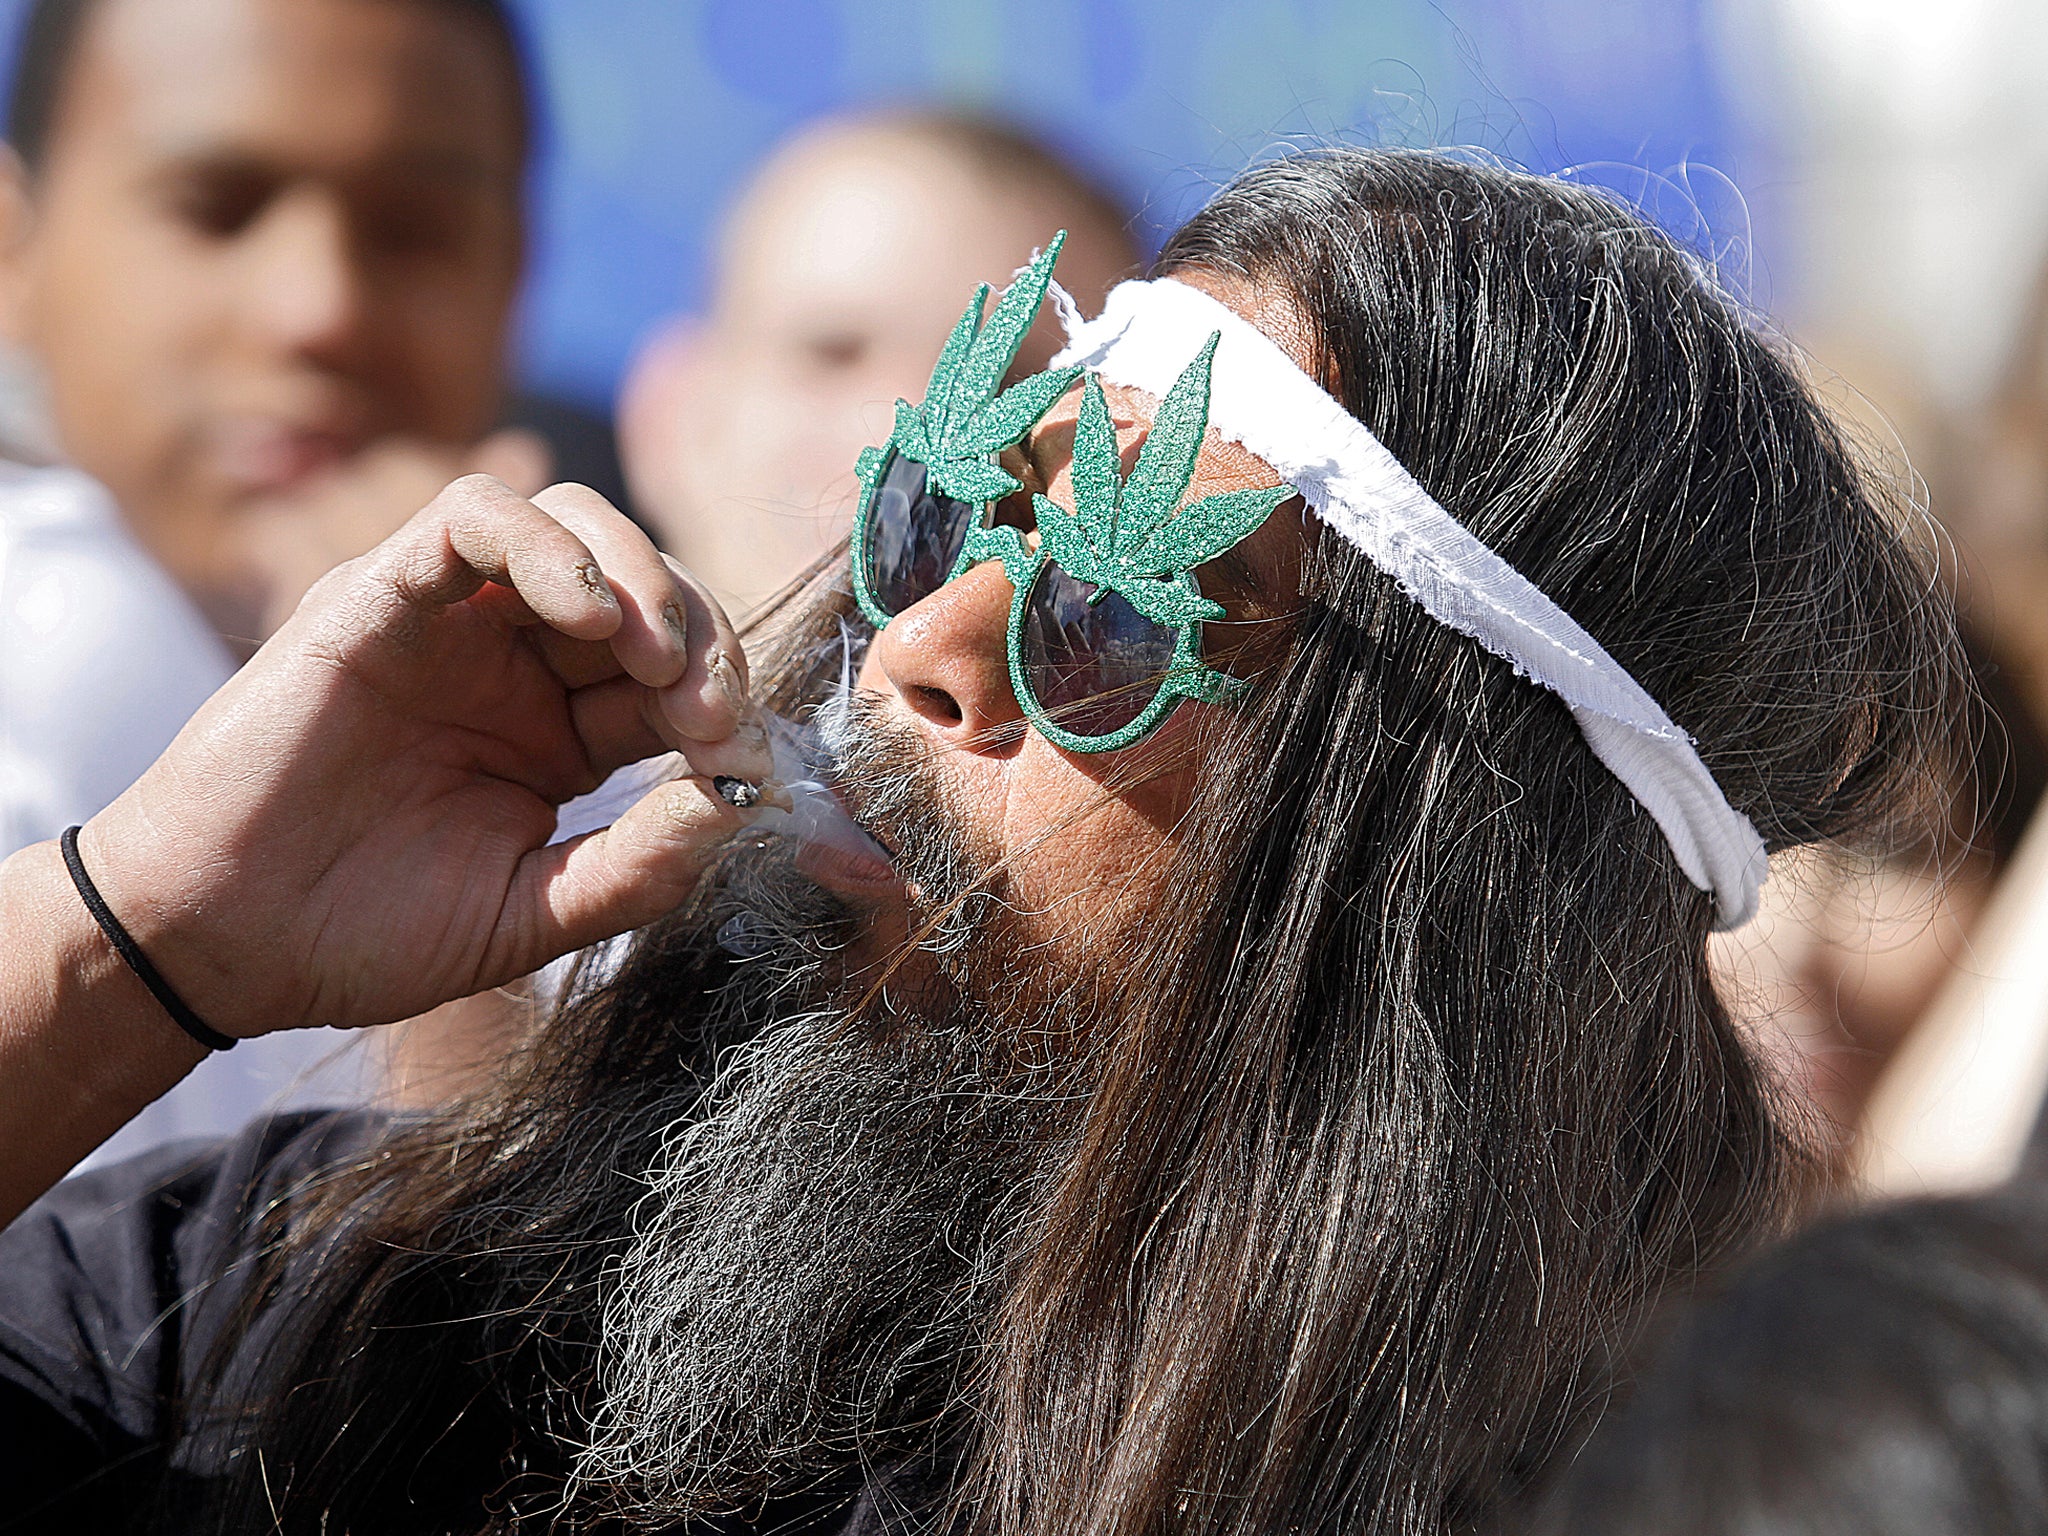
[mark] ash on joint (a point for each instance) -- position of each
(738, 793)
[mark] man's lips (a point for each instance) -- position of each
(831, 782)
(849, 872)
(880, 841)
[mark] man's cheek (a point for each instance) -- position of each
(1095, 875)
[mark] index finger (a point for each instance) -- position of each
(650, 641)
(674, 636)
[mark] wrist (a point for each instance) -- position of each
(132, 954)
(159, 905)
(80, 975)
(83, 1043)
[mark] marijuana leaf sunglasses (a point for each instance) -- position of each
(1105, 625)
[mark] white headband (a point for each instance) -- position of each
(1145, 336)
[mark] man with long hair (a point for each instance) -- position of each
(1265, 1060)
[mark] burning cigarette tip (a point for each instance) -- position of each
(745, 795)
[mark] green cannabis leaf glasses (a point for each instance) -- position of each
(1105, 627)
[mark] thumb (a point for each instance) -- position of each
(519, 457)
(640, 868)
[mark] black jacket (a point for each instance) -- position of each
(116, 1290)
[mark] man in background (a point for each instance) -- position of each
(838, 275)
(259, 259)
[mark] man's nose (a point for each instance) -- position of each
(947, 659)
(308, 292)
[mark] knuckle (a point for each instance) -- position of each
(468, 501)
(572, 497)
(471, 489)
(338, 579)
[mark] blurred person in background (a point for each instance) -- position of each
(836, 279)
(1989, 470)
(258, 258)
(1849, 955)
(1910, 998)
(1852, 961)
(1885, 1375)
(1958, 1106)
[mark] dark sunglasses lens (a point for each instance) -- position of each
(1093, 667)
(914, 535)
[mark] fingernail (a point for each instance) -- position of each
(727, 677)
(678, 626)
(594, 583)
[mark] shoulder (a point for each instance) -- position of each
(116, 1277)
(116, 1283)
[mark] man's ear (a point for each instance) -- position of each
(17, 230)
(660, 420)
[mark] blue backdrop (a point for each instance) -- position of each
(657, 108)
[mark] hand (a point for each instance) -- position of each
(355, 829)
(286, 543)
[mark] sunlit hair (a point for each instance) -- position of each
(1418, 1093)
(1439, 1096)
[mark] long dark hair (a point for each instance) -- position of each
(1421, 1093)
(1470, 1100)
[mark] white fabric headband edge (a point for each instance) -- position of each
(1150, 330)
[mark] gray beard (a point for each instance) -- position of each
(814, 1270)
(824, 1239)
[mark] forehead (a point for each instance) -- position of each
(871, 228)
(326, 84)
(1221, 466)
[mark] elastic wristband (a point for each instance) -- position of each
(131, 952)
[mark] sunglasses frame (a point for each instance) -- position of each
(1187, 676)
(1131, 535)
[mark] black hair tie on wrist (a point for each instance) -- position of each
(131, 952)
